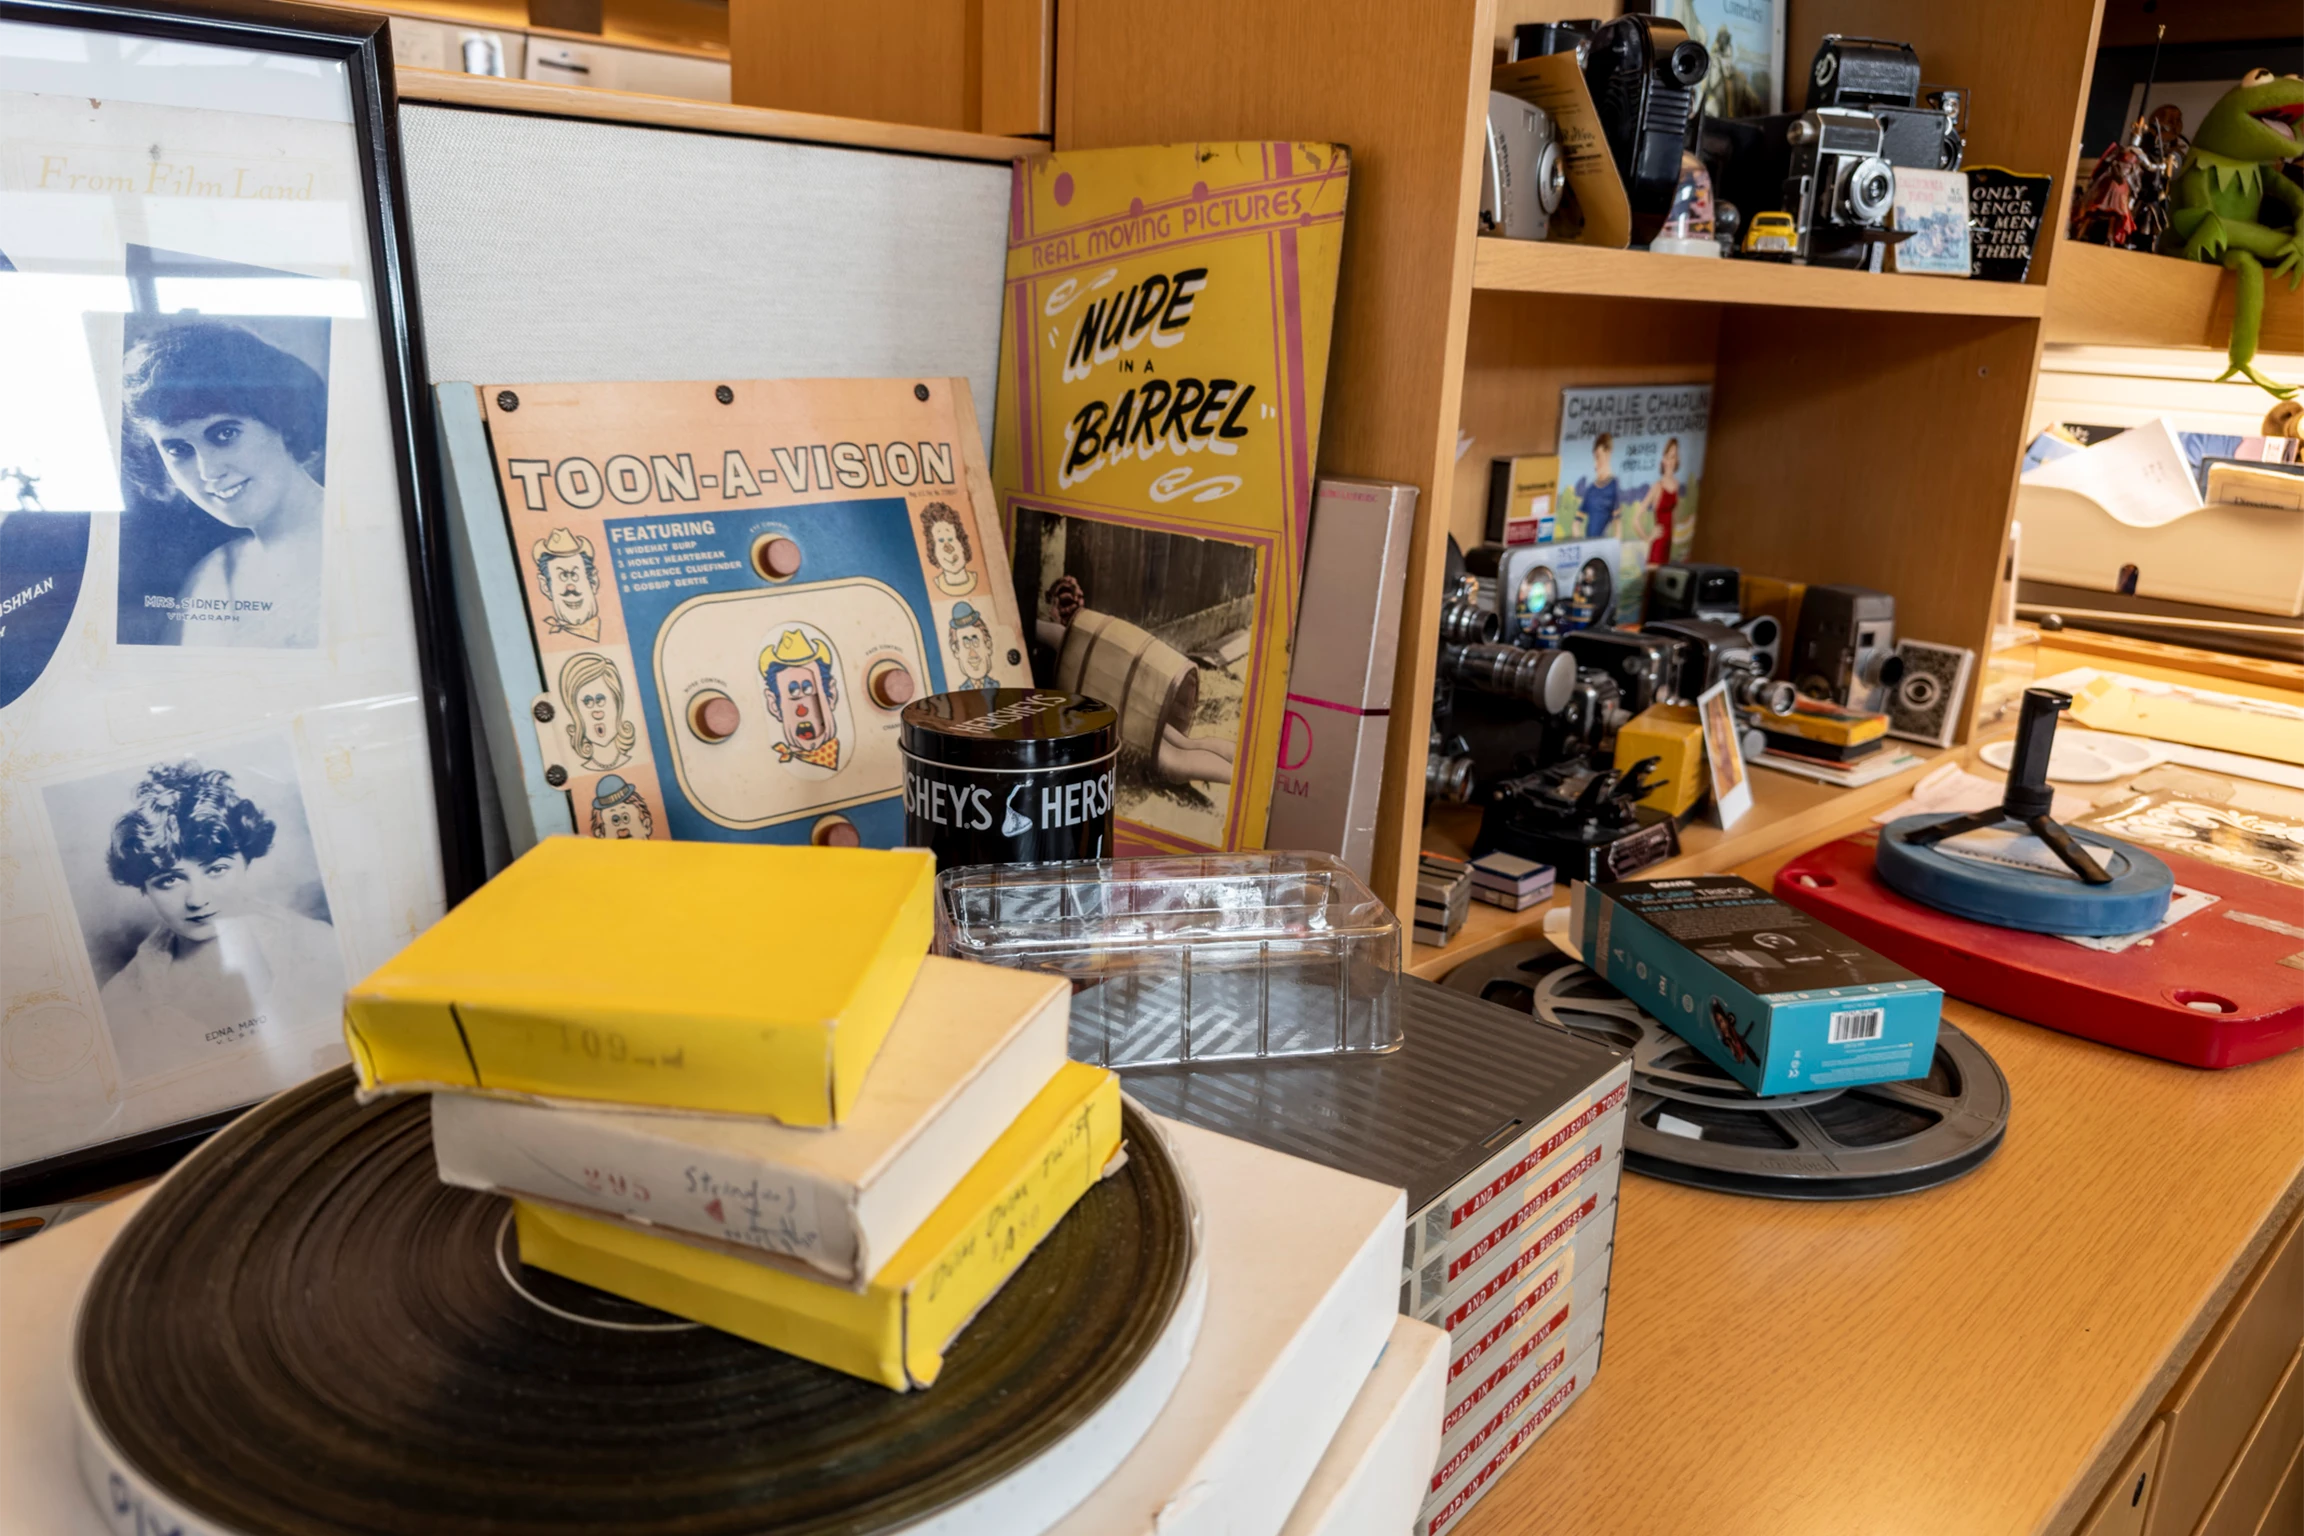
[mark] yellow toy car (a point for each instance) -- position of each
(1773, 236)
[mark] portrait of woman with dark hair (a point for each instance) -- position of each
(221, 968)
(227, 432)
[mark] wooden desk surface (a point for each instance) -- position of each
(1970, 1361)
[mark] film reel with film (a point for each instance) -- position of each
(304, 1330)
(1690, 1123)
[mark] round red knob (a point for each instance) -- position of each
(890, 683)
(779, 559)
(714, 716)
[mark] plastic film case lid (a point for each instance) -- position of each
(1233, 956)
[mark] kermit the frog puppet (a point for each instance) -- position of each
(2229, 181)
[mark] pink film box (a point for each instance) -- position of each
(1340, 673)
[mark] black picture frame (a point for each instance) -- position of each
(361, 42)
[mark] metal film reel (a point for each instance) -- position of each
(1690, 1123)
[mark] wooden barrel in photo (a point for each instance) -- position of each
(1147, 681)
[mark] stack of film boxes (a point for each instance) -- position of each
(727, 1081)
(1443, 897)
(1512, 1262)
(1508, 1233)
(1509, 881)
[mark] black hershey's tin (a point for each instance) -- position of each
(1009, 776)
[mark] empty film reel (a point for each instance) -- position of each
(1690, 1123)
(304, 1331)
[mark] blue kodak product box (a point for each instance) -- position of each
(1780, 1001)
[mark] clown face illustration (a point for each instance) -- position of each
(799, 681)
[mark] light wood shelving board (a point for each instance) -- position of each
(2102, 297)
(447, 88)
(696, 29)
(1538, 266)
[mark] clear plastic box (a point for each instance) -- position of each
(1211, 957)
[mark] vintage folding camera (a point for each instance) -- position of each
(1522, 175)
(1845, 649)
(1712, 653)
(1838, 188)
(1883, 79)
(1646, 75)
(1685, 590)
(1646, 667)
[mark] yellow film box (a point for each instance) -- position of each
(727, 978)
(897, 1329)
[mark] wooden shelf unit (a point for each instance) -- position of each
(1865, 428)
(1538, 266)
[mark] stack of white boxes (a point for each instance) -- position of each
(1508, 1135)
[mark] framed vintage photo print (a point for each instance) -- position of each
(235, 764)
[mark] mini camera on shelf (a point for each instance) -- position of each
(1845, 650)
(1713, 653)
(1522, 174)
(1645, 75)
(1645, 668)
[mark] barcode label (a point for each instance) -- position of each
(1862, 1024)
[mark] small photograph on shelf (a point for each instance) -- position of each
(1724, 756)
(1931, 213)
(198, 892)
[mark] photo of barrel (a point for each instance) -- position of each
(1160, 627)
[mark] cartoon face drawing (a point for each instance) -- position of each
(947, 544)
(593, 691)
(619, 810)
(799, 679)
(570, 582)
(971, 642)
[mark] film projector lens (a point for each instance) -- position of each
(1690, 1123)
(305, 1331)
(1539, 592)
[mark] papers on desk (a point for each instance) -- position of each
(2142, 477)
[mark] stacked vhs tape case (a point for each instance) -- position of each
(1508, 1135)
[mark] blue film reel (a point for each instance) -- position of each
(2038, 902)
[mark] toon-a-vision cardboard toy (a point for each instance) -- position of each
(735, 589)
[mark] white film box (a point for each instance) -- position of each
(971, 1047)
(1537, 1414)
